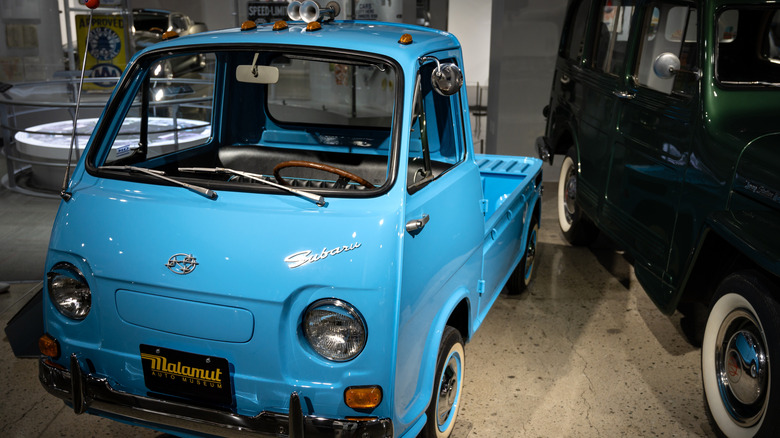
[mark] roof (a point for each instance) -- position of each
(362, 36)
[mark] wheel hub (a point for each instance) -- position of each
(448, 391)
(570, 195)
(743, 368)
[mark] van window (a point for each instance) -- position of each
(611, 39)
(748, 50)
(663, 29)
(575, 37)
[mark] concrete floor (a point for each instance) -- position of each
(583, 353)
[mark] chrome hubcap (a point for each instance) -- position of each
(570, 194)
(448, 391)
(742, 365)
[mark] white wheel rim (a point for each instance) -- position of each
(448, 391)
(728, 308)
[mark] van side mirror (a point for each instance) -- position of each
(666, 65)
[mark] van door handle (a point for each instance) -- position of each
(414, 226)
(624, 94)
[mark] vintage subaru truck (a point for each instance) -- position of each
(293, 237)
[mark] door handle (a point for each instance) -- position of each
(624, 94)
(414, 226)
(565, 79)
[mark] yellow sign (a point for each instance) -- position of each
(106, 52)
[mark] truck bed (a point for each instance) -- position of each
(511, 188)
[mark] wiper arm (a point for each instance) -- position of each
(211, 194)
(319, 200)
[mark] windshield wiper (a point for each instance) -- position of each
(319, 200)
(211, 194)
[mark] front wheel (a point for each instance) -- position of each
(575, 227)
(445, 400)
(740, 382)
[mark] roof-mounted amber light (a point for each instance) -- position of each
(49, 346)
(248, 25)
(171, 34)
(280, 25)
(406, 39)
(363, 397)
(314, 25)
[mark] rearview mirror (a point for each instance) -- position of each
(257, 74)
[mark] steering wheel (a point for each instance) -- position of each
(343, 174)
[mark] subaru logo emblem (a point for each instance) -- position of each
(181, 263)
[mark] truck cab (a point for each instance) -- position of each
(665, 114)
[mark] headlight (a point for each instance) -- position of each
(334, 329)
(69, 291)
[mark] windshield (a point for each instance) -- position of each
(748, 50)
(313, 121)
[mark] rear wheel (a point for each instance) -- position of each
(445, 401)
(739, 340)
(576, 228)
(523, 274)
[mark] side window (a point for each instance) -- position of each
(611, 36)
(171, 110)
(436, 141)
(575, 35)
(669, 30)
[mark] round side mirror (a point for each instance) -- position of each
(447, 79)
(666, 65)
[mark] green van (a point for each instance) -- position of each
(667, 114)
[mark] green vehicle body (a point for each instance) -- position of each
(687, 180)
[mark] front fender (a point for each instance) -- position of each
(754, 233)
(431, 351)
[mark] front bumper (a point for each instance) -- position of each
(92, 394)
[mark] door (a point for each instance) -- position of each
(602, 74)
(654, 134)
(443, 239)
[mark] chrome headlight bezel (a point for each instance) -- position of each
(334, 329)
(69, 291)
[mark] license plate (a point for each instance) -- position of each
(193, 376)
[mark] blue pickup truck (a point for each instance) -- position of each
(292, 237)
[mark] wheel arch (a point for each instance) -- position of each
(716, 257)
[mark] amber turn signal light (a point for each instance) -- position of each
(363, 397)
(314, 25)
(280, 25)
(406, 39)
(49, 346)
(248, 25)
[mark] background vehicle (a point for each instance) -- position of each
(666, 114)
(308, 250)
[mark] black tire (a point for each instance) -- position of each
(577, 229)
(449, 378)
(524, 272)
(741, 384)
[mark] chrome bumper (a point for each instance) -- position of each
(87, 393)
